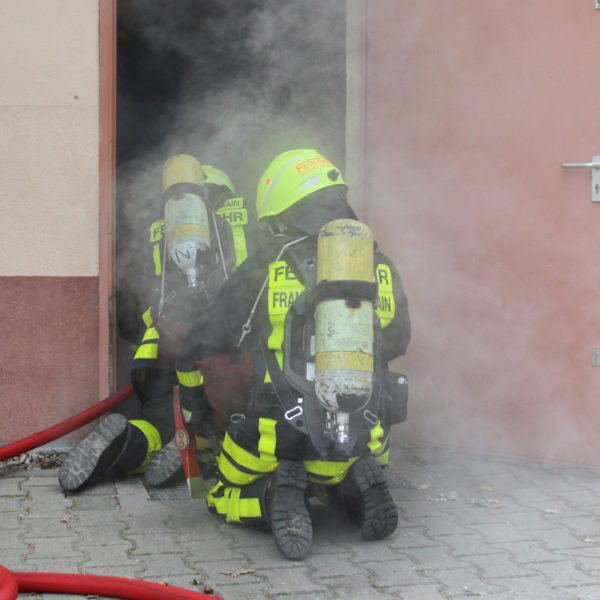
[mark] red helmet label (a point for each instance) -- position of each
(312, 164)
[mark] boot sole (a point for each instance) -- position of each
(380, 515)
(80, 464)
(291, 524)
(165, 465)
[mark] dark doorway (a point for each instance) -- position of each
(231, 82)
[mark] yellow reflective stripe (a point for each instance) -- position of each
(150, 334)
(233, 502)
(268, 438)
(284, 288)
(146, 351)
(236, 215)
(239, 244)
(190, 378)
(327, 472)
(233, 474)
(383, 459)
(154, 443)
(156, 233)
(382, 454)
(386, 306)
(229, 504)
(254, 466)
(233, 203)
(147, 317)
(265, 463)
(213, 501)
(157, 230)
(249, 508)
(157, 260)
(375, 445)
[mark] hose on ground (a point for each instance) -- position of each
(47, 435)
(15, 582)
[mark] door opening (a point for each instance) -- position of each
(231, 83)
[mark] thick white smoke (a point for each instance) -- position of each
(232, 83)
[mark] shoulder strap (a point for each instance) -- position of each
(246, 327)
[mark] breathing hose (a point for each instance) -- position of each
(15, 582)
(60, 429)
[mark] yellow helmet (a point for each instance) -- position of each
(182, 168)
(217, 177)
(292, 176)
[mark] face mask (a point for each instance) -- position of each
(312, 212)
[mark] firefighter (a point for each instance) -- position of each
(286, 446)
(200, 240)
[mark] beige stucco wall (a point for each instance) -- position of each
(49, 141)
(49, 206)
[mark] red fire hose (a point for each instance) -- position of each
(15, 582)
(60, 429)
(8, 585)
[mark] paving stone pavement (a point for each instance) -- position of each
(470, 526)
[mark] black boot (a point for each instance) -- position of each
(165, 467)
(366, 500)
(291, 524)
(134, 452)
(95, 454)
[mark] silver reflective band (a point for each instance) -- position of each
(276, 178)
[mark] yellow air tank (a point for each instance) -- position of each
(186, 216)
(344, 325)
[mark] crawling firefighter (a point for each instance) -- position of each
(200, 240)
(322, 311)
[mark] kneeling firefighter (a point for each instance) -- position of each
(200, 240)
(322, 311)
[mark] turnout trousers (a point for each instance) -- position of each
(251, 452)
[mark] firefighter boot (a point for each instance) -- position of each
(291, 524)
(366, 501)
(165, 467)
(141, 444)
(94, 454)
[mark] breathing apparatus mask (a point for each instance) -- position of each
(307, 216)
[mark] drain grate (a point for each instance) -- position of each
(178, 491)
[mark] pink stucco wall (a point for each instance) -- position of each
(471, 109)
(49, 356)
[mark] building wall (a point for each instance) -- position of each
(49, 210)
(468, 109)
(471, 108)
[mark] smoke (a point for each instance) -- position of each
(231, 83)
